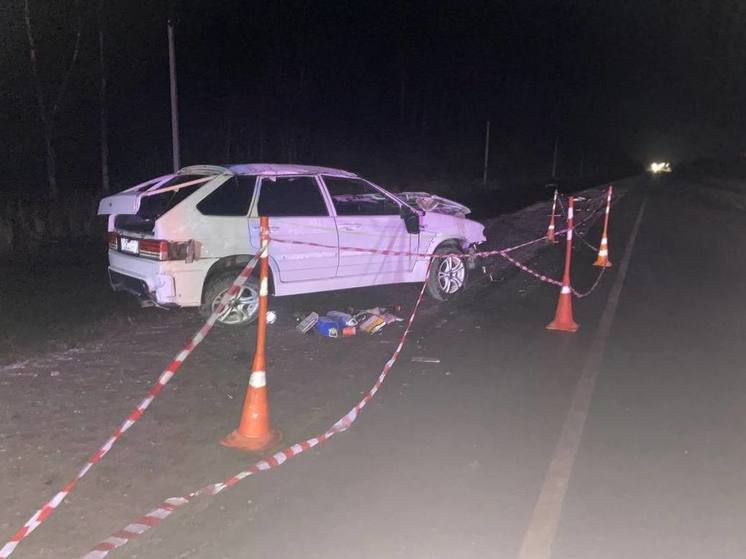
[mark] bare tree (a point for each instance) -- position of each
(47, 116)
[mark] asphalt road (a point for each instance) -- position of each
(450, 458)
(450, 461)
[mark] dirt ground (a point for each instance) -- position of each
(92, 359)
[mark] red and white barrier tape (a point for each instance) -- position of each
(44, 512)
(528, 270)
(152, 518)
(606, 206)
(389, 252)
(582, 294)
(155, 516)
(563, 212)
(482, 254)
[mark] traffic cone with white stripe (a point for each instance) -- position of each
(563, 319)
(550, 229)
(254, 433)
(603, 251)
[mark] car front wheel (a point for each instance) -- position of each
(241, 310)
(448, 274)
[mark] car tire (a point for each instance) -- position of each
(242, 310)
(447, 277)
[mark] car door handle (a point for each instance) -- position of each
(350, 227)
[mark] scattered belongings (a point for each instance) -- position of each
(346, 319)
(305, 325)
(337, 324)
(329, 326)
(374, 323)
(373, 320)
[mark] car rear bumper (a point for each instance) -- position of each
(165, 283)
(158, 290)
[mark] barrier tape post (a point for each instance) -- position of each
(254, 433)
(563, 319)
(550, 229)
(603, 251)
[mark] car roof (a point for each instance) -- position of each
(266, 169)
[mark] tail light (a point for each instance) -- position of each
(152, 248)
(156, 249)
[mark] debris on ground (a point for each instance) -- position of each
(308, 322)
(338, 324)
(373, 320)
(425, 360)
(329, 326)
(345, 318)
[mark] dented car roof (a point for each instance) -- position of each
(264, 169)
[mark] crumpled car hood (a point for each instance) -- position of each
(434, 203)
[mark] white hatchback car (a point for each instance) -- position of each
(180, 240)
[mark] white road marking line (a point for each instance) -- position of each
(542, 529)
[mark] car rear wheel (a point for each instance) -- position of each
(448, 274)
(241, 310)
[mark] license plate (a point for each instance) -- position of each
(129, 245)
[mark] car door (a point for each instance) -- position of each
(297, 211)
(368, 218)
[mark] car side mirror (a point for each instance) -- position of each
(411, 220)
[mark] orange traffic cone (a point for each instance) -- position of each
(603, 251)
(254, 433)
(550, 229)
(563, 316)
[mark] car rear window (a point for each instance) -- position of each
(153, 207)
(232, 198)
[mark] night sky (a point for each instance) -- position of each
(391, 89)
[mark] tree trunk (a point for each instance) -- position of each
(46, 123)
(105, 188)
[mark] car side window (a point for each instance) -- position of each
(357, 197)
(232, 198)
(291, 197)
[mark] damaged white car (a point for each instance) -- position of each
(180, 240)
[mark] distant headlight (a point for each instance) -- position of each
(660, 167)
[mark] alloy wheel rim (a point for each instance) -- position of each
(451, 274)
(241, 309)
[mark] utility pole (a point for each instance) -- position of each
(486, 152)
(554, 159)
(174, 98)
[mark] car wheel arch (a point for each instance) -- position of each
(235, 262)
(459, 244)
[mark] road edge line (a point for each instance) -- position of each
(542, 529)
